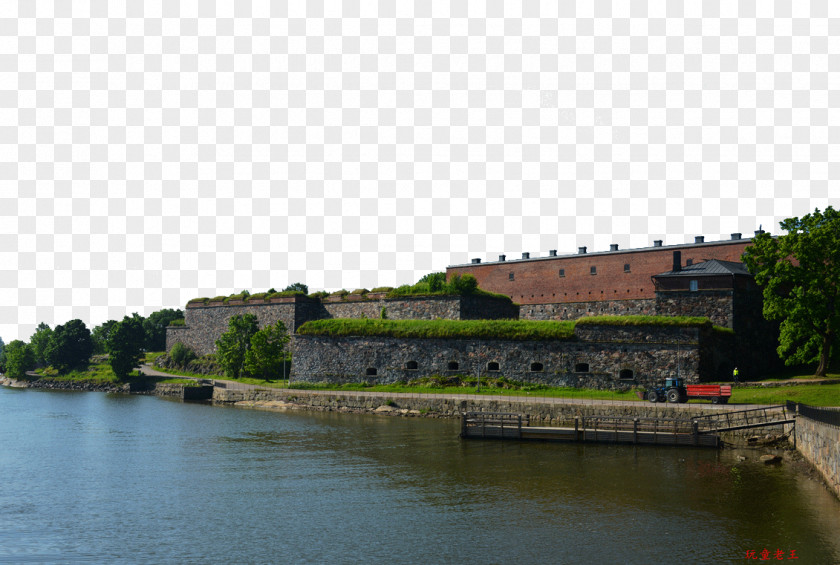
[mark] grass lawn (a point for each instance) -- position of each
(815, 395)
(100, 373)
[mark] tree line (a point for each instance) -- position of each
(69, 346)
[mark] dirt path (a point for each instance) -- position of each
(147, 370)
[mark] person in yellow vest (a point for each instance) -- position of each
(735, 374)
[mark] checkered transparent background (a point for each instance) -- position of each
(151, 152)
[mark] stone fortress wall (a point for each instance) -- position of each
(616, 283)
(204, 323)
(605, 357)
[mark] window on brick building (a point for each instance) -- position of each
(626, 267)
(510, 276)
(593, 270)
(582, 368)
(493, 366)
(689, 262)
(370, 371)
(453, 366)
(536, 367)
(411, 365)
(561, 272)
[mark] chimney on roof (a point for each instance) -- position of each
(476, 261)
(735, 235)
(581, 250)
(759, 231)
(613, 247)
(552, 253)
(699, 239)
(677, 262)
(657, 243)
(526, 255)
(501, 257)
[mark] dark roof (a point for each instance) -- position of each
(579, 255)
(709, 268)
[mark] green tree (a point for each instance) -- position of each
(125, 345)
(2, 356)
(100, 335)
(70, 346)
(232, 346)
(297, 286)
(155, 327)
(799, 273)
(19, 359)
(267, 354)
(39, 342)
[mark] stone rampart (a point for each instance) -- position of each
(204, 323)
(612, 358)
(819, 443)
(575, 310)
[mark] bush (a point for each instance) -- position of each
(181, 354)
(435, 285)
(285, 293)
(178, 322)
(382, 289)
(320, 294)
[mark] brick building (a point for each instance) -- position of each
(613, 277)
(700, 279)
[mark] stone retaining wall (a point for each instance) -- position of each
(820, 444)
(541, 412)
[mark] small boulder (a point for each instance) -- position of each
(770, 459)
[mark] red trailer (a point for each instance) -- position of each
(718, 394)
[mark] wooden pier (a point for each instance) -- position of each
(650, 431)
(700, 431)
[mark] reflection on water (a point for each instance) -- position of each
(90, 477)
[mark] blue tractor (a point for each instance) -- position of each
(673, 391)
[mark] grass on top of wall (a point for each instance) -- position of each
(519, 330)
(486, 329)
(680, 321)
